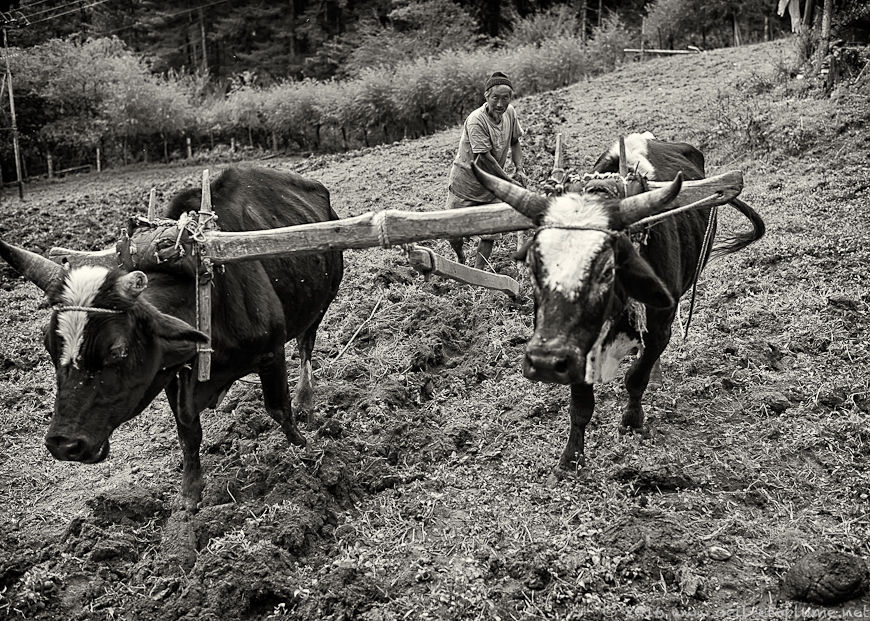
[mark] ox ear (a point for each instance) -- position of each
(129, 286)
(179, 338)
(173, 329)
(638, 278)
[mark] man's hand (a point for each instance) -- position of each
(521, 179)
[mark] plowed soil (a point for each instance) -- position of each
(424, 491)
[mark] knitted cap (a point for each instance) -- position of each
(497, 79)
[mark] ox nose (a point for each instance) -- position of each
(551, 364)
(69, 449)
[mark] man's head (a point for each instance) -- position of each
(498, 92)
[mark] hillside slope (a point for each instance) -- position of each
(423, 492)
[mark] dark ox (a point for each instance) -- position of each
(594, 291)
(118, 338)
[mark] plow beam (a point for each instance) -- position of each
(428, 262)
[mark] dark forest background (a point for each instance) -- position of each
(264, 41)
(107, 82)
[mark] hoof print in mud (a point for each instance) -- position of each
(660, 479)
(826, 578)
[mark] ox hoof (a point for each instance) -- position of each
(296, 439)
(642, 430)
(306, 417)
(303, 410)
(183, 504)
(567, 469)
(558, 474)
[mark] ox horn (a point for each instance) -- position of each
(647, 204)
(35, 268)
(527, 203)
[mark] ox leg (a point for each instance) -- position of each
(303, 400)
(580, 411)
(484, 249)
(458, 243)
(276, 395)
(638, 376)
(179, 393)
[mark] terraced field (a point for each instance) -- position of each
(423, 492)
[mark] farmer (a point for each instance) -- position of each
(489, 133)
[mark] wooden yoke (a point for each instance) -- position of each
(204, 274)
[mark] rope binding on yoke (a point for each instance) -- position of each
(87, 309)
(380, 223)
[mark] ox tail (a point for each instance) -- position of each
(741, 240)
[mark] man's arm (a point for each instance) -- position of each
(517, 157)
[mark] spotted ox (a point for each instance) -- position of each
(117, 338)
(599, 298)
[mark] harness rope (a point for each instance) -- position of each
(380, 222)
(88, 309)
(705, 247)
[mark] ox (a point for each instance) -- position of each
(597, 297)
(118, 337)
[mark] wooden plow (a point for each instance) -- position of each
(200, 247)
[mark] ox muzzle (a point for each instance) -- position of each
(76, 448)
(554, 361)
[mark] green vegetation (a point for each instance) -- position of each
(77, 96)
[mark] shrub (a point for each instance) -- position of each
(606, 45)
(560, 22)
(114, 97)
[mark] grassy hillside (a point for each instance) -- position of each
(423, 492)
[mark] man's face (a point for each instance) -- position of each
(497, 100)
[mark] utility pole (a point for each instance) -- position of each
(12, 112)
(202, 34)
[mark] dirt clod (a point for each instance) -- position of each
(772, 401)
(126, 504)
(826, 578)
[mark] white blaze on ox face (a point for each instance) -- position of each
(80, 289)
(566, 255)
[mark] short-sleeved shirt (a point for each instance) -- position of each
(481, 134)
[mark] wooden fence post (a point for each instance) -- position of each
(642, 34)
(99, 163)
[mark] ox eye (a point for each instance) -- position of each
(118, 352)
